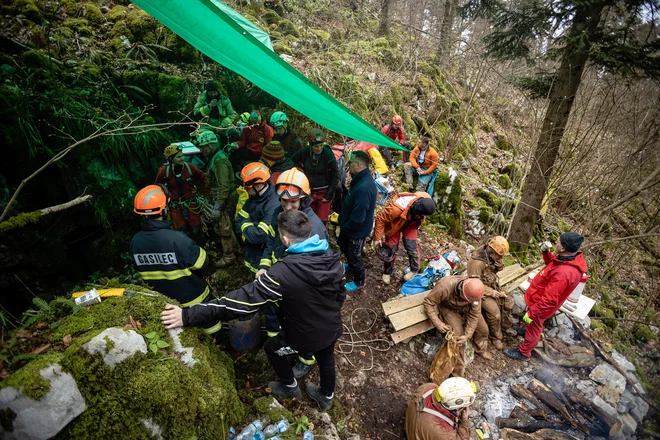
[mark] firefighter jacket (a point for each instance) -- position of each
(483, 266)
(220, 177)
(428, 420)
(290, 142)
(221, 115)
(307, 284)
(321, 169)
(184, 183)
(255, 137)
(444, 295)
(553, 284)
(253, 225)
(170, 262)
(392, 218)
(427, 160)
(275, 248)
(396, 134)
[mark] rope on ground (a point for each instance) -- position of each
(346, 347)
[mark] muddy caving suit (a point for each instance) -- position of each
(498, 310)
(454, 310)
(183, 184)
(172, 263)
(308, 284)
(393, 222)
(221, 180)
(428, 420)
(250, 145)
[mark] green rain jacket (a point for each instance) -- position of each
(220, 177)
(220, 116)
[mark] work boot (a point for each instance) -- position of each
(514, 353)
(486, 355)
(225, 261)
(409, 275)
(280, 389)
(519, 331)
(324, 402)
(497, 344)
(510, 332)
(300, 369)
(387, 278)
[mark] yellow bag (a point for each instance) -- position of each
(242, 198)
(103, 293)
(378, 161)
(443, 363)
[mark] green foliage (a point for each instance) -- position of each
(538, 87)
(29, 9)
(264, 405)
(301, 424)
(600, 310)
(643, 333)
(155, 343)
(504, 181)
(288, 28)
(449, 209)
(118, 12)
(502, 143)
(79, 25)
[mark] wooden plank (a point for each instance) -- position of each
(408, 317)
(510, 273)
(513, 285)
(411, 331)
(401, 304)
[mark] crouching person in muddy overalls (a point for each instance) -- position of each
(455, 299)
(441, 412)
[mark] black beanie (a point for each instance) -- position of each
(212, 86)
(422, 207)
(571, 241)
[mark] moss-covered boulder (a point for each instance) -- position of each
(448, 196)
(181, 387)
(489, 198)
(643, 333)
(29, 9)
(502, 143)
(601, 311)
(504, 181)
(117, 13)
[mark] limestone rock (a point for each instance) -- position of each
(156, 431)
(612, 383)
(43, 418)
(186, 353)
(124, 344)
(587, 387)
(564, 330)
(622, 362)
(629, 425)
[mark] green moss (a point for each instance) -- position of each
(320, 34)
(80, 25)
(288, 28)
(141, 24)
(380, 43)
(502, 143)
(121, 28)
(281, 47)
(599, 310)
(595, 324)
(169, 95)
(117, 13)
(265, 405)
(514, 170)
(37, 59)
(29, 9)
(491, 199)
(643, 333)
(449, 210)
(270, 17)
(504, 181)
(88, 11)
(485, 215)
(20, 220)
(29, 379)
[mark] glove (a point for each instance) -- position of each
(217, 209)
(213, 103)
(527, 319)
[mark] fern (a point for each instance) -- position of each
(41, 304)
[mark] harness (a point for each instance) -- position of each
(438, 414)
(178, 177)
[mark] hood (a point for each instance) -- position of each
(322, 270)
(578, 262)
(312, 244)
(155, 225)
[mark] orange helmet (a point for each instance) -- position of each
(292, 184)
(499, 245)
(150, 200)
(171, 150)
(473, 289)
(254, 173)
(397, 119)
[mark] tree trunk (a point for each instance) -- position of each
(384, 25)
(525, 425)
(562, 95)
(446, 32)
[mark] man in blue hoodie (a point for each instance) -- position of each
(307, 282)
(357, 217)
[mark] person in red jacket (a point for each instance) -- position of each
(254, 138)
(394, 131)
(549, 289)
(183, 181)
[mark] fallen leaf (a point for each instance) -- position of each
(4, 374)
(40, 349)
(269, 390)
(133, 323)
(21, 333)
(67, 340)
(128, 326)
(363, 353)
(40, 325)
(247, 385)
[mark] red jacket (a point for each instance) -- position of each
(181, 188)
(394, 134)
(553, 285)
(255, 137)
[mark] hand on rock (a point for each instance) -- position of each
(172, 316)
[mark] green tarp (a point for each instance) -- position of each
(206, 25)
(246, 24)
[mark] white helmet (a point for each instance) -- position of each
(455, 393)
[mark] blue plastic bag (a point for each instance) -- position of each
(426, 280)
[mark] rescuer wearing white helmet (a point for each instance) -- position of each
(441, 412)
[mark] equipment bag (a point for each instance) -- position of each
(445, 359)
(378, 161)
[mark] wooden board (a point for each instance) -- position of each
(408, 317)
(513, 285)
(411, 331)
(398, 305)
(510, 273)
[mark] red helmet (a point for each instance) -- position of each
(473, 289)
(397, 119)
(150, 200)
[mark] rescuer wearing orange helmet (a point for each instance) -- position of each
(485, 263)
(168, 260)
(394, 131)
(453, 297)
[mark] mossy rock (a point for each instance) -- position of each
(502, 143)
(485, 214)
(88, 11)
(170, 98)
(80, 25)
(268, 405)
(322, 35)
(117, 13)
(270, 17)
(38, 59)
(504, 181)
(380, 43)
(491, 199)
(449, 209)
(141, 25)
(599, 310)
(9, 96)
(281, 47)
(288, 28)
(29, 9)
(144, 386)
(514, 170)
(643, 333)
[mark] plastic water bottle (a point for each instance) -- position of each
(250, 430)
(259, 436)
(277, 428)
(308, 435)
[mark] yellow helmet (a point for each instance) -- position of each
(455, 393)
(499, 245)
(171, 150)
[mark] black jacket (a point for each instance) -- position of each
(322, 172)
(253, 226)
(356, 218)
(274, 249)
(170, 262)
(308, 287)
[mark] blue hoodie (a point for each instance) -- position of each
(312, 244)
